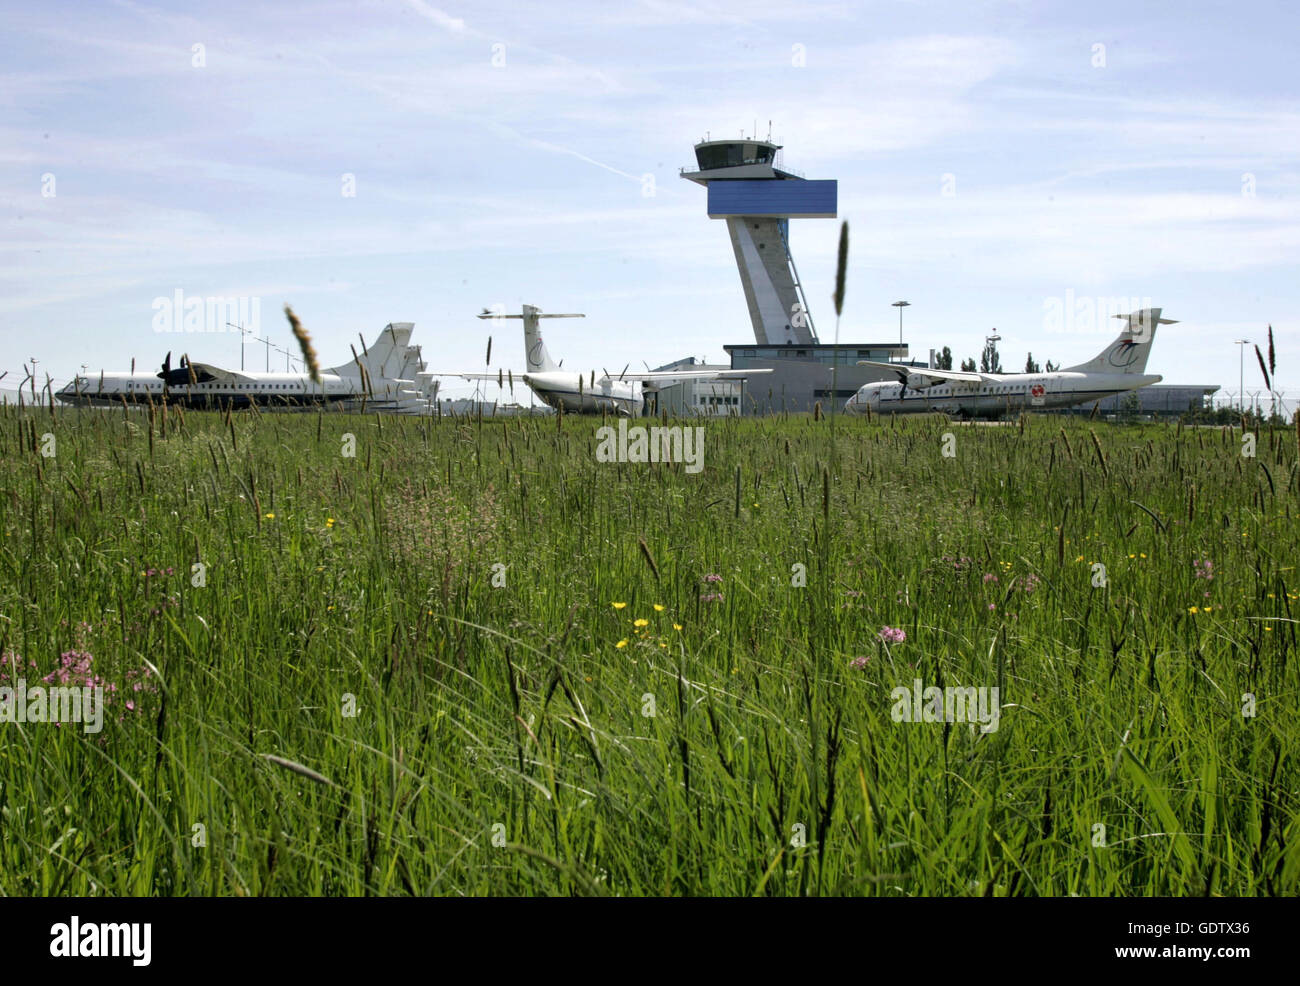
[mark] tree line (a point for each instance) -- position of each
(990, 361)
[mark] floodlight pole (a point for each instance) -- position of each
(900, 305)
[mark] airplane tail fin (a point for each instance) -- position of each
(385, 359)
(538, 359)
(1129, 351)
(534, 349)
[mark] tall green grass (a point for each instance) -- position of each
(501, 741)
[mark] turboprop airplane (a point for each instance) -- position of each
(962, 394)
(374, 379)
(584, 393)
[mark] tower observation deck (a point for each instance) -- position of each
(757, 196)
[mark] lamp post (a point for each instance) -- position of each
(1241, 378)
(900, 305)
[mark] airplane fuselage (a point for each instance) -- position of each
(1008, 394)
(281, 390)
(575, 393)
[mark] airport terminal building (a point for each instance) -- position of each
(806, 375)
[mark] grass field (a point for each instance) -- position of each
(650, 703)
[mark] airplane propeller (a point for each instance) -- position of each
(902, 379)
(179, 376)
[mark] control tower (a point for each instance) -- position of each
(757, 196)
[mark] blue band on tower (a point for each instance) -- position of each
(775, 199)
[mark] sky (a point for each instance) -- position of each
(1001, 165)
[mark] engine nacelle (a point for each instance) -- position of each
(918, 381)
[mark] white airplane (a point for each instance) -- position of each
(384, 385)
(584, 393)
(1116, 369)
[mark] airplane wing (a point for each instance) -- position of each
(665, 376)
(903, 372)
(206, 372)
(471, 376)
